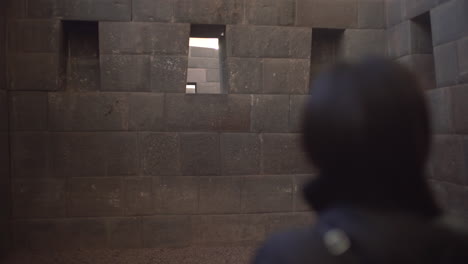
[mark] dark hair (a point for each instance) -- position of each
(367, 130)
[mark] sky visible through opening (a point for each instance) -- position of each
(211, 43)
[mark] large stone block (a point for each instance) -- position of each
(300, 205)
(197, 75)
(327, 13)
(209, 11)
(267, 41)
(152, 11)
(463, 59)
(423, 66)
(371, 14)
(124, 233)
(270, 113)
(452, 197)
(447, 159)
(83, 75)
(176, 195)
(113, 10)
(38, 198)
(207, 112)
(240, 154)
(200, 154)
(459, 99)
(35, 36)
(448, 21)
(168, 73)
(358, 43)
(159, 154)
(446, 64)
(141, 37)
(35, 71)
(93, 154)
(42, 8)
(203, 52)
(125, 73)
(395, 11)
(399, 40)
(29, 154)
(203, 63)
(167, 231)
(284, 154)
(297, 104)
(244, 75)
(88, 111)
(268, 12)
(146, 112)
(138, 193)
(209, 88)
(220, 195)
(95, 197)
(440, 105)
(28, 111)
(265, 194)
(415, 8)
(213, 75)
(286, 76)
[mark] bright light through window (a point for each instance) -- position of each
(212, 43)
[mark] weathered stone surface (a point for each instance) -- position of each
(213, 75)
(200, 154)
(93, 154)
(240, 154)
(113, 10)
(60, 234)
(394, 11)
(452, 197)
(463, 59)
(447, 159)
(283, 153)
(88, 111)
(125, 73)
(371, 14)
(176, 195)
(35, 36)
(268, 12)
(34, 71)
(152, 11)
(415, 8)
(95, 197)
(124, 233)
(262, 194)
(423, 66)
(358, 43)
(168, 73)
(159, 154)
(138, 195)
(285, 76)
(42, 8)
(220, 195)
(167, 231)
(83, 74)
(197, 75)
(244, 75)
(300, 205)
(141, 37)
(440, 107)
(459, 99)
(208, 88)
(28, 111)
(446, 64)
(270, 42)
(270, 113)
(297, 104)
(29, 154)
(38, 198)
(203, 52)
(327, 13)
(399, 40)
(282, 222)
(209, 11)
(207, 112)
(146, 112)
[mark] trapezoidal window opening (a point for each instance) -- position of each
(326, 45)
(81, 53)
(206, 62)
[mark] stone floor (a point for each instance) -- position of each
(190, 255)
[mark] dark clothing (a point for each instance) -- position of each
(394, 237)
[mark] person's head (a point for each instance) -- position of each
(366, 126)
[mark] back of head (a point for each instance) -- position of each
(366, 126)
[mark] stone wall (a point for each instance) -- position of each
(108, 150)
(203, 69)
(447, 49)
